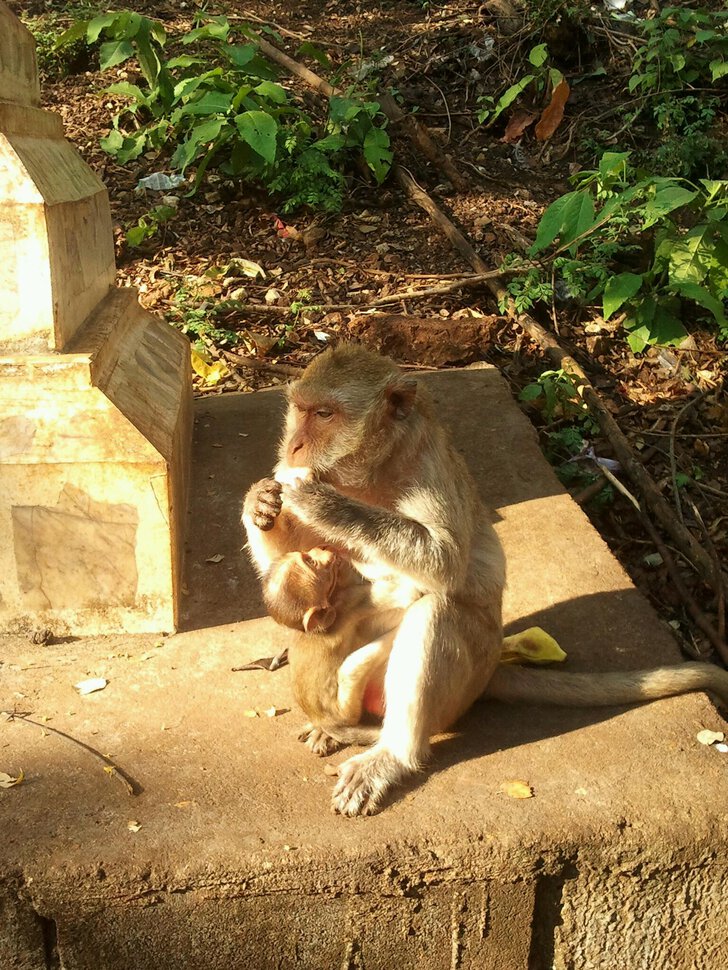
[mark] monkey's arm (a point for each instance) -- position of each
(423, 548)
(270, 529)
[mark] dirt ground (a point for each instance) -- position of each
(381, 243)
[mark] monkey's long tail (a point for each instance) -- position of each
(514, 684)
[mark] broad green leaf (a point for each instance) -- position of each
(666, 328)
(613, 164)
(210, 103)
(184, 60)
(307, 49)
(511, 94)
(538, 55)
(112, 142)
(259, 130)
(377, 153)
(216, 29)
(128, 90)
(664, 201)
(98, 24)
(240, 55)
(75, 32)
(271, 92)
(678, 62)
(718, 69)
(200, 135)
(189, 85)
(147, 56)
(618, 290)
(343, 110)
(331, 143)
(137, 234)
(578, 217)
(530, 392)
(114, 52)
(703, 297)
(550, 225)
(691, 257)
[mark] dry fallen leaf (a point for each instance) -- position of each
(91, 685)
(516, 789)
(553, 113)
(251, 713)
(133, 826)
(7, 781)
(517, 124)
(216, 559)
(710, 737)
(210, 374)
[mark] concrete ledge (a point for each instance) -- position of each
(619, 860)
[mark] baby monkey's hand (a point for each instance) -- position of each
(263, 503)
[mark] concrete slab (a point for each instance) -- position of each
(234, 861)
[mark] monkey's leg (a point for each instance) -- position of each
(443, 655)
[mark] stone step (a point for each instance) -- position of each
(234, 860)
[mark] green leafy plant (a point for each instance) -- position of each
(556, 395)
(537, 80)
(148, 225)
(222, 106)
(644, 245)
(680, 72)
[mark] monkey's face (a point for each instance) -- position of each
(348, 411)
(301, 587)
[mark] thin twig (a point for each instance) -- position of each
(697, 614)
(131, 786)
(267, 366)
(673, 460)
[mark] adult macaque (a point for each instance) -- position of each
(387, 486)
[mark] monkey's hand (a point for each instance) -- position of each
(263, 503)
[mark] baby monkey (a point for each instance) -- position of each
(346, 628)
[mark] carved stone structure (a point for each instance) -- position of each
(95, 394)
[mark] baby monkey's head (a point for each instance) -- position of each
(299, 589)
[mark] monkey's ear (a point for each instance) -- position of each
(318, 618)
(401, 398)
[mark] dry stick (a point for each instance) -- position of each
(252, 363)
(673, 459)
(700, 618)
(400, 295)
(412, 128)
(116, 772)
(682, 538)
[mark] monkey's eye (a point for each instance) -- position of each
(324, 414)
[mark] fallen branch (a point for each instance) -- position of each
(111, 768)
(266, 366)
(416, 132)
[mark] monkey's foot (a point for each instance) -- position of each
(365, 780)
(318, 741)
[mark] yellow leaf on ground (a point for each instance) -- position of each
(209, 374)
(7, 781)
(516, 789)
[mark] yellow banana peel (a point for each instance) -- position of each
(532, 646)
